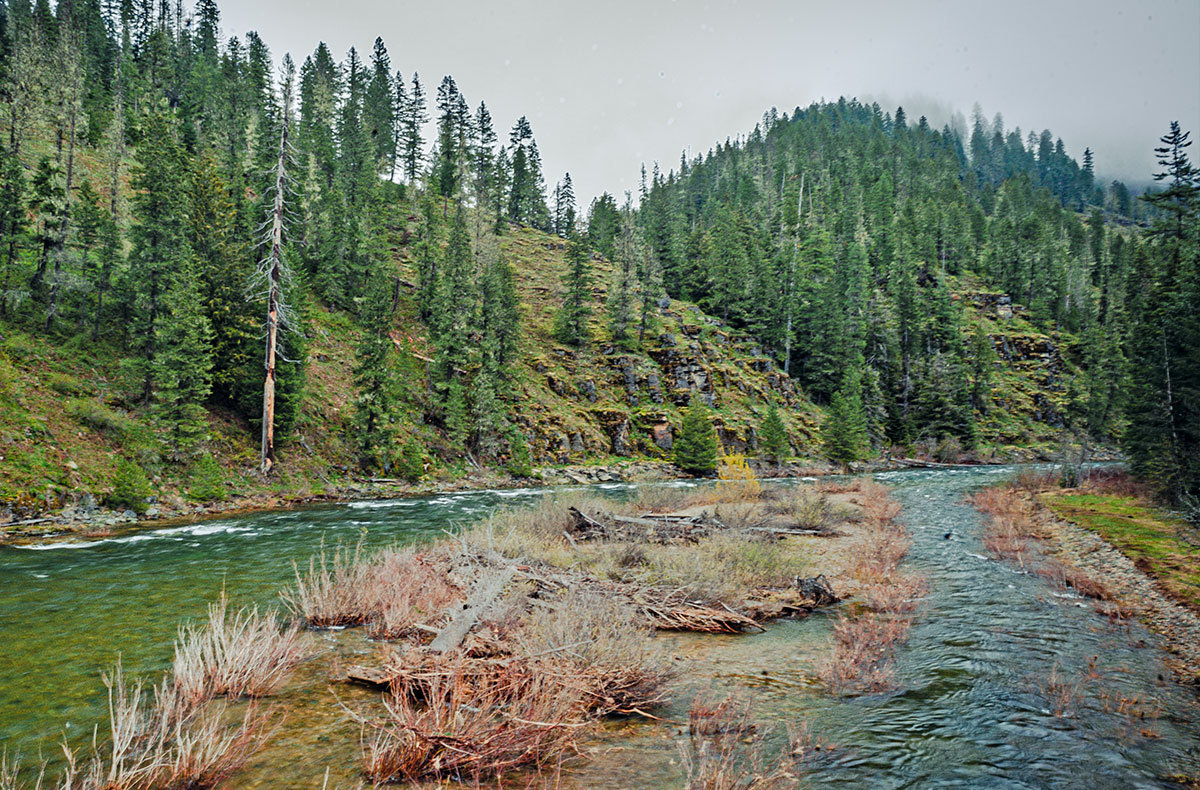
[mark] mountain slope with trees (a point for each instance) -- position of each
(174, 212)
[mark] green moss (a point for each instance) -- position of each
(1164, 547)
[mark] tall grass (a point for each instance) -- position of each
(391, 590)
(724, 752)
(238, 654)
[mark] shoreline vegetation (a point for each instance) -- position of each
(1107, 543)
(502, 648)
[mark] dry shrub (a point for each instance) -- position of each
(1061, 693)
(412, 589)
(1011, 522)
(722, 754)
(243, 654)
(878, 555)
(1116, 481)
(736, 481)
(803, 507)
(878, 507)
(660, 499)
(1072, 578)
(862, 652)
(739, 515)
(898, 594)
(463, 724)
(839, 486)
(601, 642)
(1034, 481)
(1006, 544)
(392, 590)
(155, 742)
(538, 532)
(335, 591)
(1136, 716)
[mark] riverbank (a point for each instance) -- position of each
(82, 516)
(1107, 542)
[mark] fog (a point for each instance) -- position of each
(608, 86)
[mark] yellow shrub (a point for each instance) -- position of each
(736, 479)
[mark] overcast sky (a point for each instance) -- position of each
(609, 85)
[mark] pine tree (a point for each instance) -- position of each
(696, 447)
(374, 379)
(159, 243)
(12, 220)
(183, 365)
(621, 294)
(564, 207)
(412, 122)
(379, 109)
(844, 431)
(773, 435)
(571, 321)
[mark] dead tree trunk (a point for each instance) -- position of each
(274, 276)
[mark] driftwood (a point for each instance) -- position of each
(486, 591)
(649, 528)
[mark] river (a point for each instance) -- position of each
(968, 711)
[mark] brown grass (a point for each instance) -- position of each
(604, 646)
(864, 644)
(863, 652)
(464, 724)
(1076, 579)
(1010, 534)
(157, 743)
(724, 752)
(1061, 693)
(802, 507)
(239, 654)
(391, 590)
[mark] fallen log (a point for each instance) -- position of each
(486, 591)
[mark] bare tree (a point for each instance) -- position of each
(272, 272)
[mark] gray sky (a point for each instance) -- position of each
(609, 85)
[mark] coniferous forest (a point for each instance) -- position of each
(199, 220)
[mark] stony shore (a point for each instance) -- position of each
(1178, 625)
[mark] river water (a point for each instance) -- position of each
(970, 709)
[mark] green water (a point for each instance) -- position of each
(967, 712)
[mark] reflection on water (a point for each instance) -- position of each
(968, 712)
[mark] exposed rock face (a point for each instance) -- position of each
(620, 439)
(663, 436)
(588, 390)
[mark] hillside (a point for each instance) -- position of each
(66, 414)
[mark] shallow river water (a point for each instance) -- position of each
(970, 709)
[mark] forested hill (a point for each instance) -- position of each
(174, 210)
(838, 234)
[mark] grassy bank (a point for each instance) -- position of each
(1164, 547)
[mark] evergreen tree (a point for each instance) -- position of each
(412, 122)
(564, 207)
(13, 222)
(571, 321)
(183, 365)
(773, 435)
(622, 292)
(844, 431)
(159, 243)
(696, 447)
(374, 379)
(379, 109)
